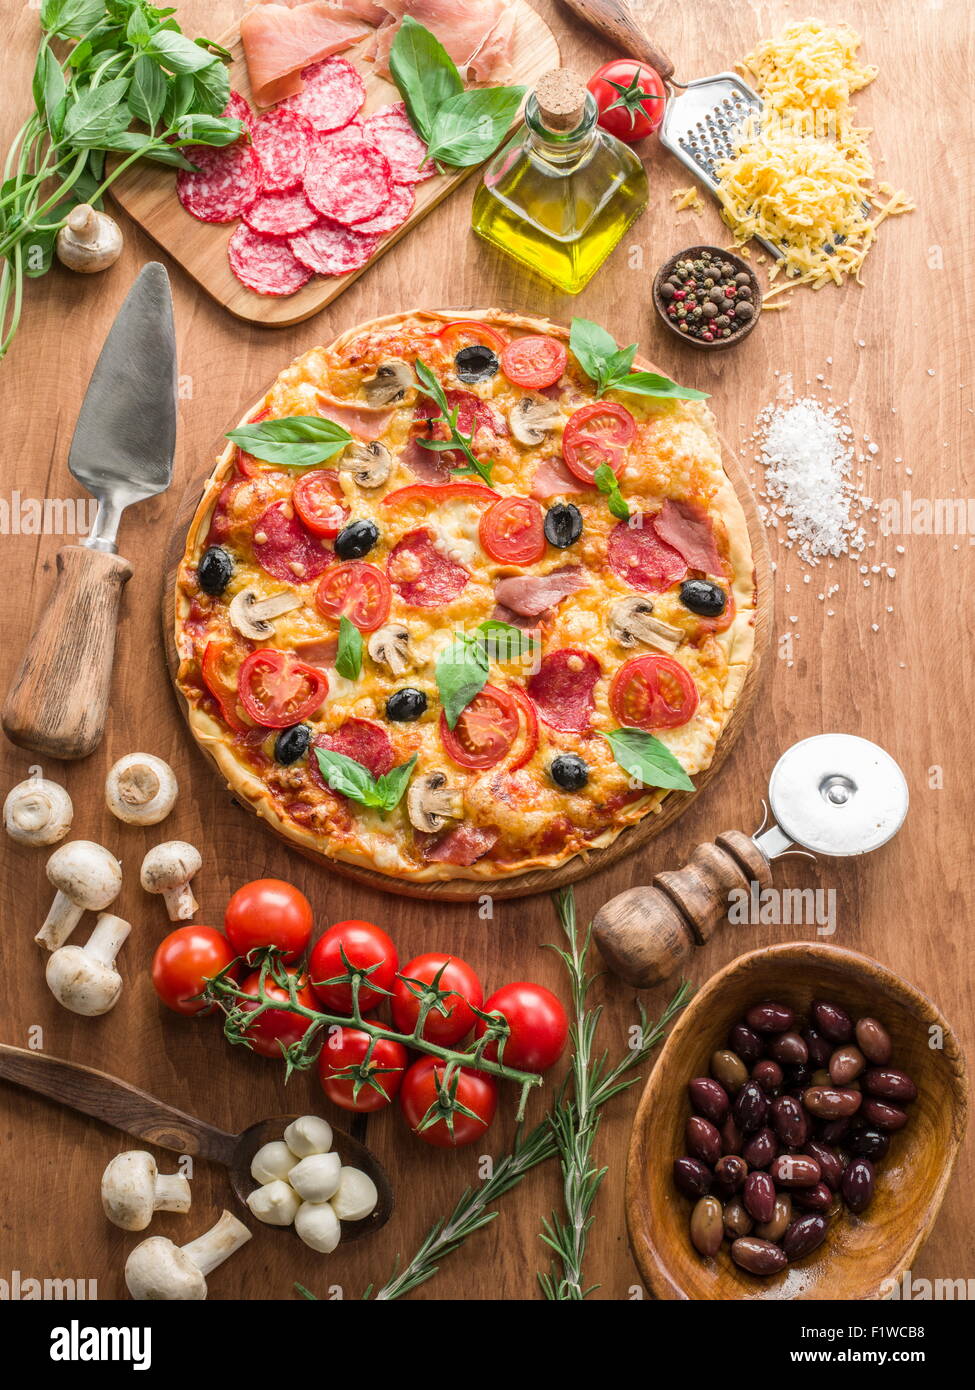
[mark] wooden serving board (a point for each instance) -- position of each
(581, 866)
(147, 191)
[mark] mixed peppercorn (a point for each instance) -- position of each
(707, 298)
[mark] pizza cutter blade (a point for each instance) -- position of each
(833, 794)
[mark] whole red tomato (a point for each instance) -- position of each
(364, 945)
(276, 1028)
(269, 912)
(184, 961)
(538, 1026)
(459, 1019)
(346, 1047)
(630, 97)
(474, 1090)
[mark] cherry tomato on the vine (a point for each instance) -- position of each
(347, 1047)
(475, 1090)
(538, 1026)
(276, 1028)
(457, 976)
(364, 944)
(269, 912)
(184, 961)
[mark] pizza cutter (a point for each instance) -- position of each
(834, 794)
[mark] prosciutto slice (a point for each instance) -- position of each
(532, 595)
(476, 33)
(553, 479)
(279, 41)
(463, 845)
(687, 529)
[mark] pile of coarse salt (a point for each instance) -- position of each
(807, 452)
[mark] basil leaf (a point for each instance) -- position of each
(345, 775)
(647, 759)
(49, 86)
(653, 384)
(503, 641)
(348, 661)
(592, 347)
(470, 126)
(462, 672)
(424, 72)
(150, 146)
(137, 29)
(298, 441)
(147, 91)
(610, 367)
(39, 253)
(608, 484)
(209, 130)
(179, 98)
(69, 19)
(391, 785)
(212, 89)
(457, 440)
(178, 54)
(100, 112)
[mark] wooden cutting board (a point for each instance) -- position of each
(579, 867)
(147, 191)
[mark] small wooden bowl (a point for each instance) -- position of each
(860, 1255)
(720, 344)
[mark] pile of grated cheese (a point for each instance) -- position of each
(804, 180)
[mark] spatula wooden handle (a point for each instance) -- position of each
(104, 1097)
(613, 20)
(645, 934)
(57, 703)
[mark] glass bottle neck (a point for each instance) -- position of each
(561, 147)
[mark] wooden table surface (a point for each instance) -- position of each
(899, 350)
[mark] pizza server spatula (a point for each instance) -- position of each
(834, 794)
(122, 452)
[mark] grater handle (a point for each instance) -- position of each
(645, 934)
(613, 20)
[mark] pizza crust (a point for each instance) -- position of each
(737, 643)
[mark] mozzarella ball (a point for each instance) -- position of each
(315, 1178)
(276, 1203)
(318, 1226)
(308, 1135)
(272, 1161)
(355, 1197)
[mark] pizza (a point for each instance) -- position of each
(417, 654)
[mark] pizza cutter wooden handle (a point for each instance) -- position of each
(645, 934)
(613, 20)
(57, 703)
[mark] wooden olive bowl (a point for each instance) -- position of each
(861, 1253)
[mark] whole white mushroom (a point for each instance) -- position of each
(133, 1189)
(158, 1270)
(37, 812)
(167, 869)
(141, 789)
(83, 979)
(87, 878)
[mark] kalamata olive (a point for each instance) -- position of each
(790, 1121)
(818, 1198)
(691, 1177)
(795, 1170)
(406, 704)
(869, 1143)
(874, 1041)
(707, 1226)
(476, 363)
(831, 1021)
(569, 771)
(356, 539)
(789, 1049)
(729, 1173)
(563, 525)
(758, 1256)
(761, 1148)
(775, 1229)
(737, 1222)
(750, 1107)
(769, 1076)
(748, 1045)
(890, 1083)
(804, 1235)
(846, 1064)
(709, 1099)
(833, 1132)
(758, 1195)
(703, 1140)
(770, 1017)
(292, 744)
(830, 1163)
(819, 1047)
(215, 570)
(703, 597)
(797, 1078)
(728, 1068)
(731, 1137)
(821, 1077)
(857, 1185)
(882, 1115)
(831, 1103)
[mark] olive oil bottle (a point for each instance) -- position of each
(562, 192)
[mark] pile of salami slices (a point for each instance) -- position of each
(315, 184)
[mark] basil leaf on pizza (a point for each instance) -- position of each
(458, 440)
(345, 775)
(463, 665)
(610, 368)
(647, 760)
(348, 659)
(298, 441)
(605, 479)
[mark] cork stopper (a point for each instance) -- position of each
(561, 96)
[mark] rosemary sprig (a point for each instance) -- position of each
(474, 1209)
(458, 440)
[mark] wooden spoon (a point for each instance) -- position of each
(116, 1103)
